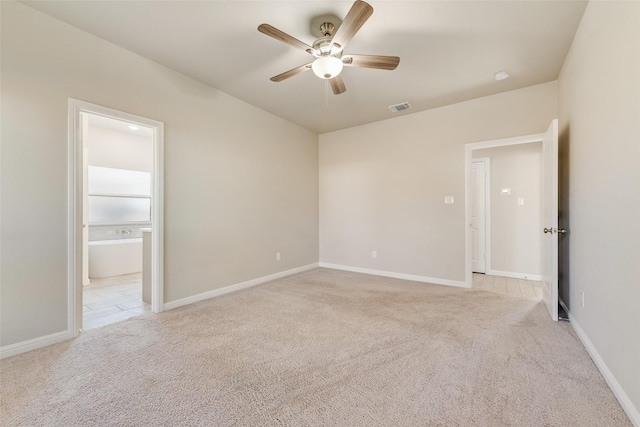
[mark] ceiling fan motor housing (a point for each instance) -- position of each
(328, 63)
(324, 45)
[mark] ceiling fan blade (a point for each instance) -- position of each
(285, 38)
(291, 73)
(371, 61)
(357, 16)
(337, 85)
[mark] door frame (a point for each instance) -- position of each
(487, 209)
(468, 158)
(75, 206)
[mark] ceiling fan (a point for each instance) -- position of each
(328, 49)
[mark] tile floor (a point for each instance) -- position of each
(522, 288)
(112, 299)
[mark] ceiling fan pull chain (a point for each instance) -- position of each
(326, 96)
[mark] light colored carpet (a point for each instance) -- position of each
(323, 347)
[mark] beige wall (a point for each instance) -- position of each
(240, 183)
(382, 185)
(516, 230)
(112, 149)
(599, 117)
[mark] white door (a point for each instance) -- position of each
(550, 215)
(478, 215)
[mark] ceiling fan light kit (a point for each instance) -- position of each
(327, 66)
(327, 50)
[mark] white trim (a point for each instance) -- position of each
(74, 220)
(238, 286)
(34, 344)
(402, 276)
(74, 215)
(626, 403)
(513, 275)
(487, 210)
(468, 158)
(157, 220)
(538, 137)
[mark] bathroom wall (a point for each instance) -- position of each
(116, 232)
(130, 150)
(122, 150)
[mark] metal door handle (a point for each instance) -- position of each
(554, 230)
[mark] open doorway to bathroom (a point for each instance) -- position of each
(118, 164)
(117, 215)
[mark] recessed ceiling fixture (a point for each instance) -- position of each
(501, 75)
(133, 127)
(400, 107)
(328, 49)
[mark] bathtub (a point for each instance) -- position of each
(115, 257)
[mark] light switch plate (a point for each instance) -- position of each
(448, 200)
(505, 191)
(520, 201)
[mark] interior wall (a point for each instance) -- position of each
(516, 230)
(599, 118)
(240, 183)
(382, 185)
(112, 149)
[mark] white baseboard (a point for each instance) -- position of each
(628, 406)
(513, 275)
(33, 344)
(236, 287)
(435, 281)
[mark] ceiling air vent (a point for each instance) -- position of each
(400, 107)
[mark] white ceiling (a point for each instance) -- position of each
(449, 50)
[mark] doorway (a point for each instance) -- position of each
(116, 198)
(514, 200)
(548, 209)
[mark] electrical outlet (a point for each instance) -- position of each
(582, 299)
(374, 254)
(278, 256)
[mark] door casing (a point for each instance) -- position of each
(76, 204)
